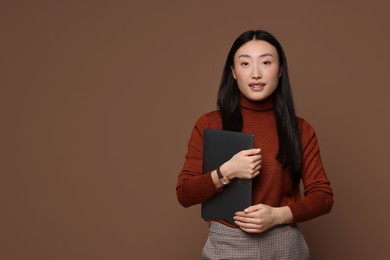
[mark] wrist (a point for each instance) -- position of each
(216, 180)
(222, 178)
(224, 169)
(284, 215)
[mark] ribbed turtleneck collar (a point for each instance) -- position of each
(263, 105)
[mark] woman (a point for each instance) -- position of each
(255, 97)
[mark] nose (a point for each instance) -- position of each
(256, 73)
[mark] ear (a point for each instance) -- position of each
(280, 72)
(234, 74)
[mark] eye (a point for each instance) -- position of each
(244, 64)
(266, 62)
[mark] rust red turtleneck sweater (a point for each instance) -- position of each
(273, 185)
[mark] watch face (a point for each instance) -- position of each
(225, 181)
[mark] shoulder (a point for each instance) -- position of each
(209, 120)
(303, 125)
(306, 130)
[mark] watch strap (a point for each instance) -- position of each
(220, 176)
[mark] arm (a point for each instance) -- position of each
(318, 194)
(194, 187)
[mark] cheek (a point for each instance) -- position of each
(275, 82)
(242, 76)
(276, 76)
(240, 84)
(275, 85)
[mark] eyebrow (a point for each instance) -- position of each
(260, 56)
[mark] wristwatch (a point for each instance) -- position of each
(224, 180)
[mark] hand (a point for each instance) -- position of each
(260, 217)
(244, 165)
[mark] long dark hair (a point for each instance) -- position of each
(289, 154)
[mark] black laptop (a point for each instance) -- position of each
(218, 147)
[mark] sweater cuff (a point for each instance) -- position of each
(296, 211)
(206, 188)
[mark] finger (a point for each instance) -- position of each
(245, 216)
(247, 219)
(239, 213)
(247, 225)
(251, 151)
(247, 230)
(257, 168)
(258, 229)
(253, 208)
(255, 173)
(253, 154)
(255, 157)
(250, 228)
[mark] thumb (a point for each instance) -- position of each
(253, 208)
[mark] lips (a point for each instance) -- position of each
(257, 85)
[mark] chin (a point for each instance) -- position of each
(256, 98)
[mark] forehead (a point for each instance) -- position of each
(256, 48)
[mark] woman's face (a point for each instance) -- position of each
(256, 69)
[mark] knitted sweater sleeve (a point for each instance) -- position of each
(318, 194)
(194, 187)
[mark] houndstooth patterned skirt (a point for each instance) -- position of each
(279, 243)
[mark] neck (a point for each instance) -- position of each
(262, 105)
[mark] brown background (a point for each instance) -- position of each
(98, 100)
